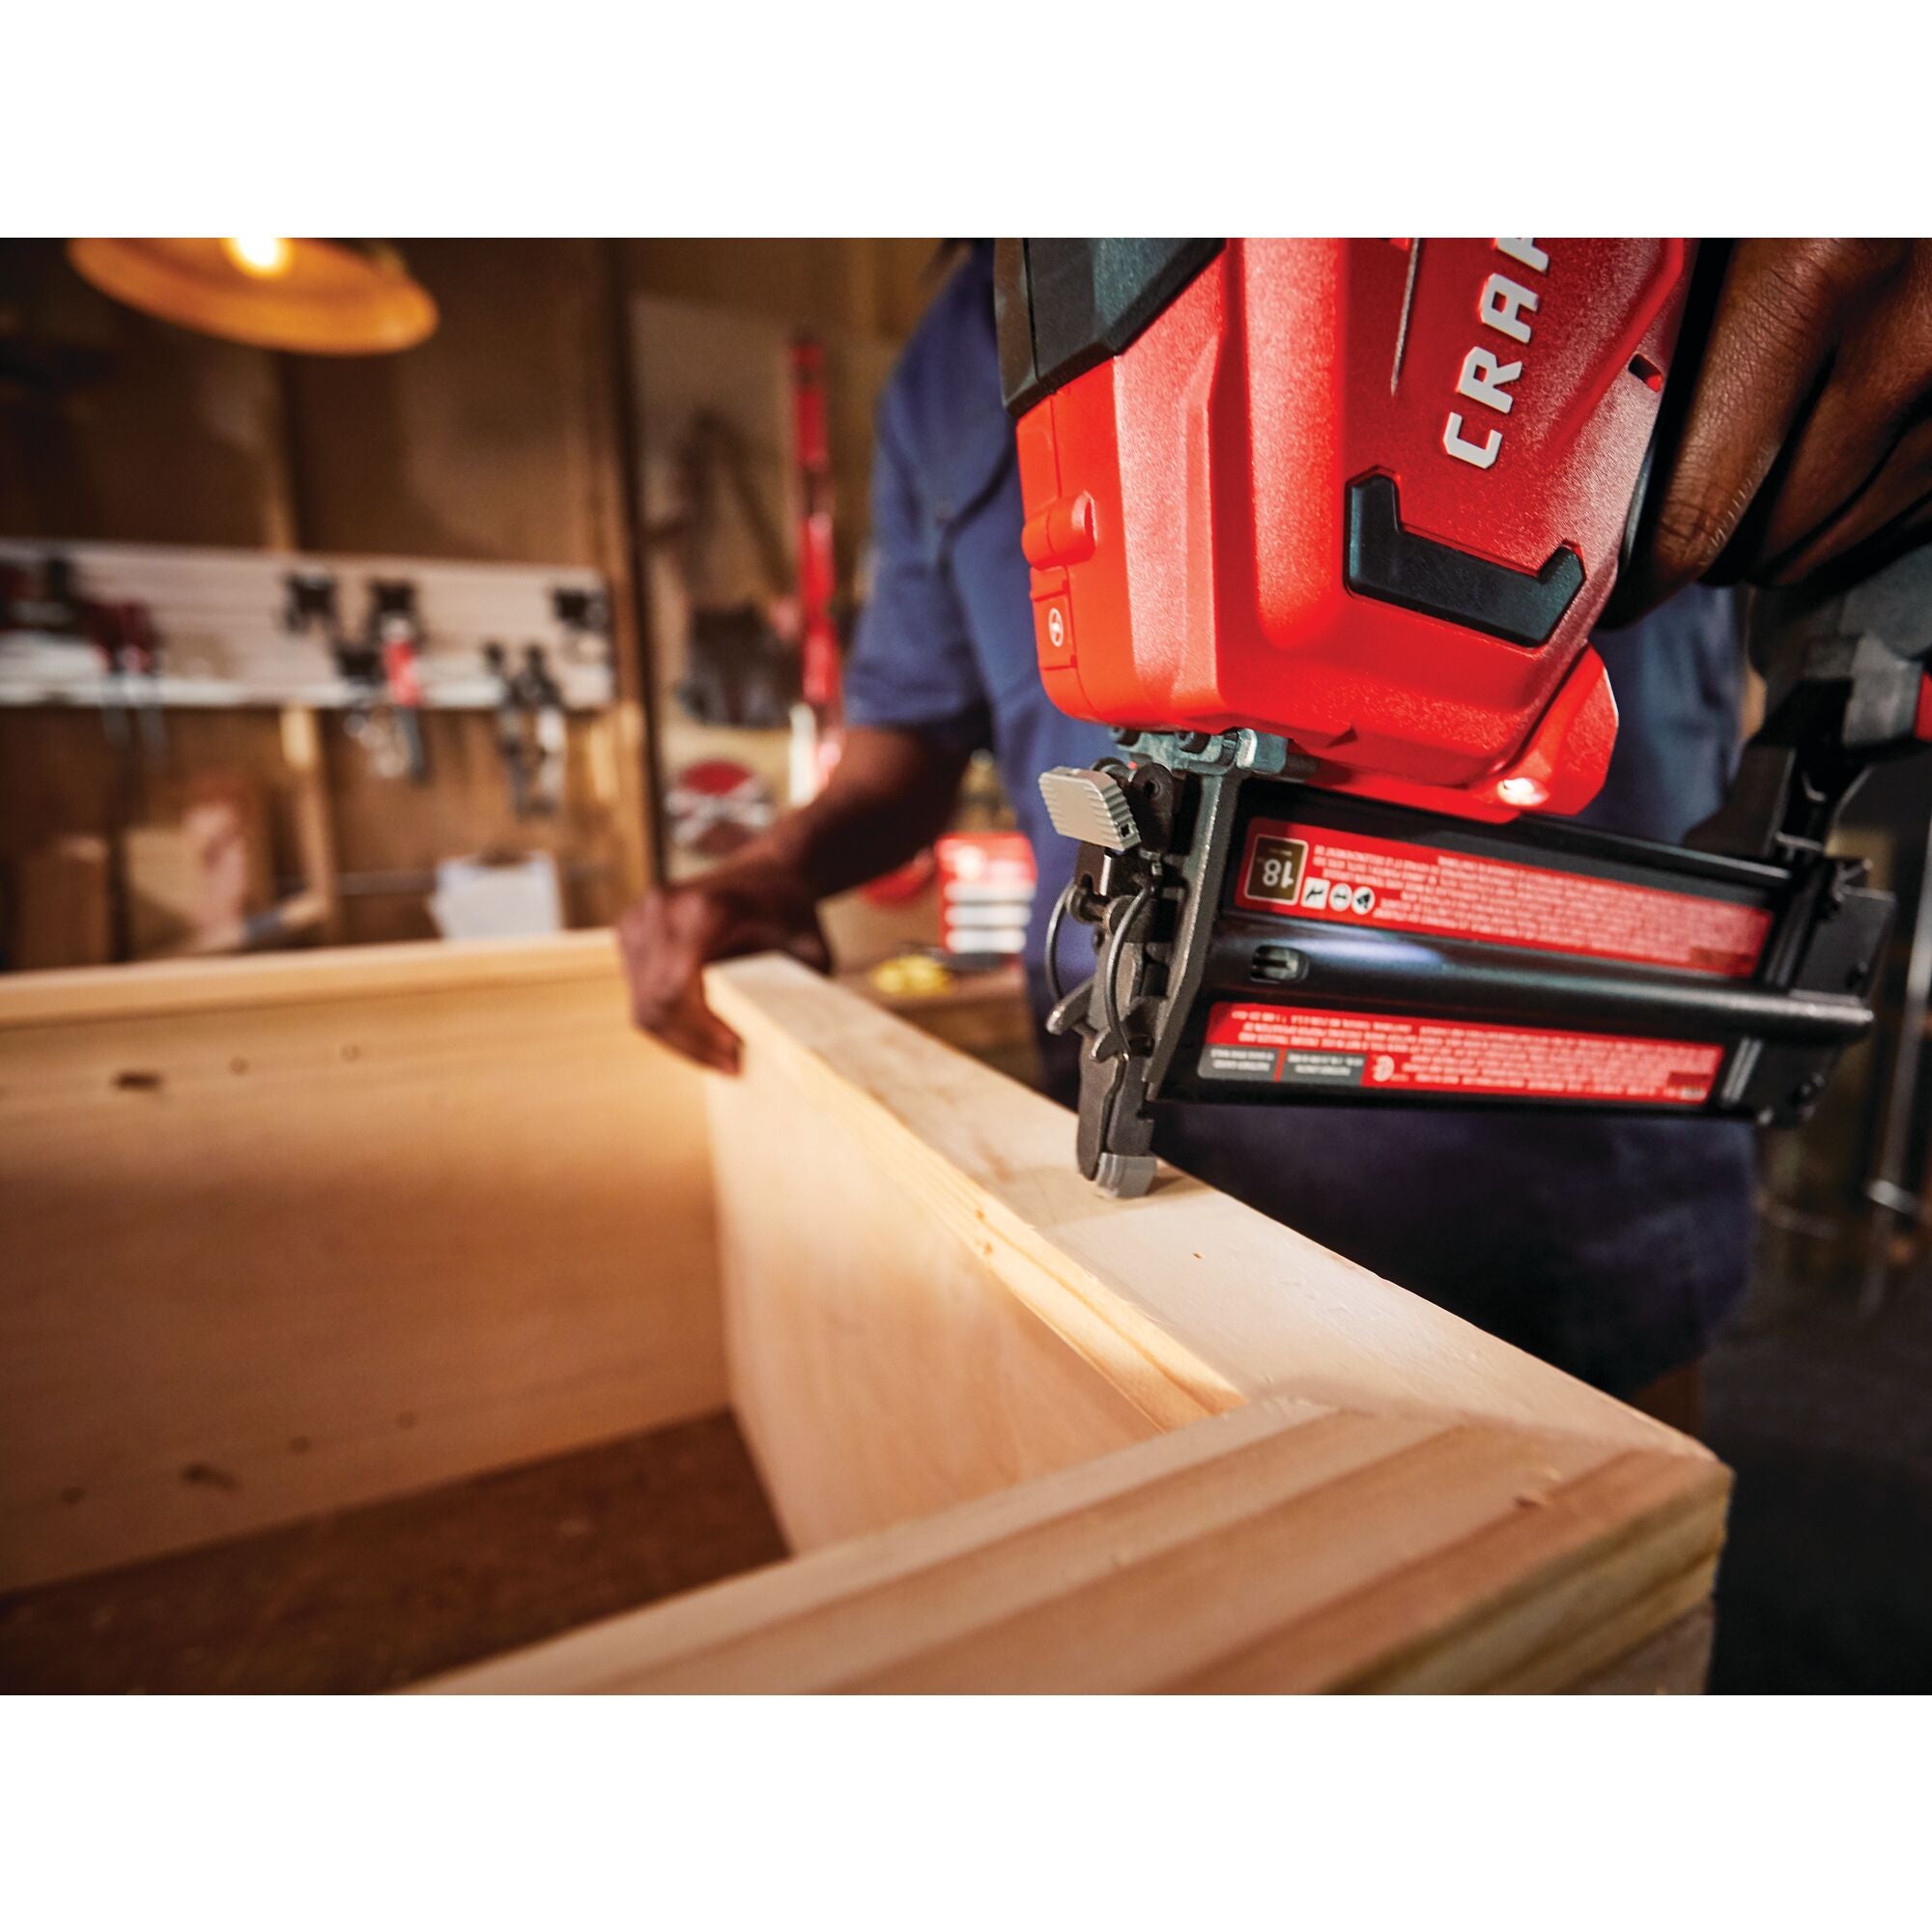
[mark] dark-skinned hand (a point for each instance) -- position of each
(671, 935)
(890, 793)
(1809, 442)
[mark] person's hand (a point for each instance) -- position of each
(1809, 433)
(671, 935)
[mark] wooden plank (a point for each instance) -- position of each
(1032, 1438)
(627, 749)
(1544, 1585)
(925, 1306)
(314, 828)
(983, 1013)
(819, 1610)
(878, 1367)
(1185, 1301)
(1229, 1553)
(161, 987)
(374, 1222)
(1675, 1662)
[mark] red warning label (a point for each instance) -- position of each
(1347, 876)
(1307, 1047)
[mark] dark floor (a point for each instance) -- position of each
(1826, 1420)
(375, 1598)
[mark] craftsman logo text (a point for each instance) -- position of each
(1504, 306)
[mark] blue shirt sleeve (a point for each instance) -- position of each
(912, 665)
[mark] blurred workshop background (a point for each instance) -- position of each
(355, 592)
(474, 634)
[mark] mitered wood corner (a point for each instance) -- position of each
(285, 1237)
(1026, 1438)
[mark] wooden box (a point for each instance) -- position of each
(281, 1237)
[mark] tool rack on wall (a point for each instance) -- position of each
(225, 634)
(400, 710)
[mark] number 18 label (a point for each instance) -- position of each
(1275, 868)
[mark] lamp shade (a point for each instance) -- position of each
(318, 297)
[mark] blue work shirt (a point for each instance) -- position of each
(1612, 1245)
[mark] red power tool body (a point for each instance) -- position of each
(1321, 529)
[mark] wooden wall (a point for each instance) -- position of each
(860, 297)
(121, 429)
(492, 441)
(502, 439)
(874, 287)
(58, 776)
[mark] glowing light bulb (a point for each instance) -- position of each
(1527, 793)
(259, 254)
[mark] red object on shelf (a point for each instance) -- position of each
(716, 805)
(401, 663)
(902, 885)
(817, 568)
(987, 884)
